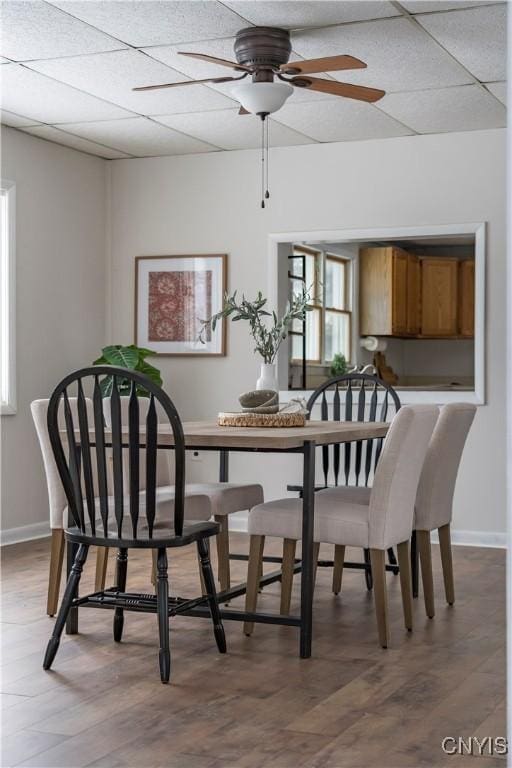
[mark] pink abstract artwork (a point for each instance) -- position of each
(178, 301)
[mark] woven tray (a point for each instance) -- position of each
(261, 419)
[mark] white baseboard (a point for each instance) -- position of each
(476, 538)
(24, 533)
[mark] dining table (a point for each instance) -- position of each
(304, 440)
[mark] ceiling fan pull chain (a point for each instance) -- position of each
(267, 193)
(262, 160)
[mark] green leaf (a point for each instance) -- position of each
(100, 361)
(124, 357)
(150, 371)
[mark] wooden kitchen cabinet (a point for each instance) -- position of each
(413, 295)
(389, 292)
(467, 298)
(439, 297)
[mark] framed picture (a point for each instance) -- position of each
(173, 294)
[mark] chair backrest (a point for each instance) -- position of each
(396, 478)
(362, 393)
(163, 470)
(56, 495)
(81, 434)
(434, 499)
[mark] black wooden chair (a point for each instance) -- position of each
(107, 524)
(353, 464)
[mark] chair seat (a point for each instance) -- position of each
(335, 522)
(353, 494)
(163, 535)
(197, 505)
(226, 498)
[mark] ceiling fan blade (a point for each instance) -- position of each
(186, 82)
(215, 60)
(350, 91)
(325, 64)
(243, 111)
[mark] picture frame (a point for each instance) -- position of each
(173, 294)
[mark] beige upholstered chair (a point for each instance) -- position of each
(435, 495)
(225, 498)
(58, 504)
(386, 521)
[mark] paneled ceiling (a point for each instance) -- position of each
(67, 68)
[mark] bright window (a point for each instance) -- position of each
(7, 292)
(329, 325)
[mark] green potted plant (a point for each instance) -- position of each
(131, 357)
(339, 365)
(267, 335)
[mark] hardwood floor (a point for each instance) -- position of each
(353, 705)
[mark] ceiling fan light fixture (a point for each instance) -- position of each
(262, 98)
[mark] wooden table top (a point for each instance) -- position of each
(208, 434)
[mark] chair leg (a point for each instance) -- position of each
(209, 582)
(392, 560)
(316, 552)
(445, 545)
(378, 562)
(253, 571)
(121, 567)
(154, 555)
(204, 591)
(101, 569)
(288, 565)
(337, 573)
(404, 563)
(223, 571)
(56, 558)
(425, 550)
(162, 602)
(414, 564)
(368, 570)
(69, 593)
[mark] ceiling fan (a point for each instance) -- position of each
(263, 53)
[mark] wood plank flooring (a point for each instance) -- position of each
(352, 705)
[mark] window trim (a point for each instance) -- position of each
(8, 406)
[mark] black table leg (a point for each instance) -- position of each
(72, 619)
(224, 467)
(414, 565)
(306, 583)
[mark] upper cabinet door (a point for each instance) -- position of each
(467, 298)
(439, 297)
(399, 292)
(413, 295)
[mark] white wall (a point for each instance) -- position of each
(210, 204)
(60, 297)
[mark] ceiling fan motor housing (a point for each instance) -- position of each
(263, 47)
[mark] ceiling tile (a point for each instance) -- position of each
(476, 37)
(40, 98)
(499, 90)
(427, 6)
(229, 130)
(139, 22)
(399, 55)
(112, 76)
(316, 13)
(139, 136)
(339, 120)
(50, 133)
(15, 121)
(463, 108)
(32, 29)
